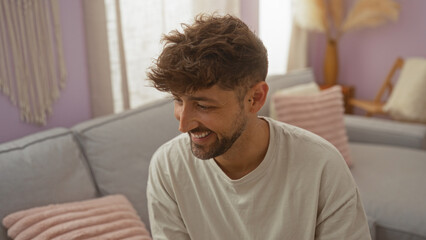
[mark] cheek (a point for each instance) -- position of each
(221, 124)
(211, 121)
(177, 112)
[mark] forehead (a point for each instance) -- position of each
(214, 93)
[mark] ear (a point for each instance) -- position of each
(256, 96)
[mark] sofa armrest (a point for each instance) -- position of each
(384, 131)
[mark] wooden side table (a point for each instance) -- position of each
(348, 93)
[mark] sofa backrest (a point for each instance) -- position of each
(119, 149)
(385, 131)
(41, 169)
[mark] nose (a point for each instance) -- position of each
(185, 116)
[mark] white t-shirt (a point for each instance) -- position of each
(303, 189)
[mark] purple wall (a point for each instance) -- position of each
(73, 105)
(250, 14)
(367, 55)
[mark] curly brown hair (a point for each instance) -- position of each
(213, 50)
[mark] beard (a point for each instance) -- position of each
(220, 146)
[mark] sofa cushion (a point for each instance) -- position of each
(40, 169)
(391, 182)
(111, 217)
(119, 149)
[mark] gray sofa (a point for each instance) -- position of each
(111, 155)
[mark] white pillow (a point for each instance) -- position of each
(306, 89)
(407, 101)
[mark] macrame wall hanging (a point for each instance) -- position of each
(32, 68)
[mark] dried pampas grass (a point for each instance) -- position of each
(310, 14)
(371, 13)
(337, 12)
(329, 15)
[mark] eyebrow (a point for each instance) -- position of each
(203, 99)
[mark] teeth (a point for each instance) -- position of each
(200, 135)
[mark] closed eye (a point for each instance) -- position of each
(177, 100)
(203, 107)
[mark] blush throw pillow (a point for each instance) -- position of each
(305, 89)
(321, 114)
(110, 217)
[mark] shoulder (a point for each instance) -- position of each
(167, 161)
(304, 149)
(295, 136)
(175, 161)
(316, 158)
(177, 144)
(176, 148)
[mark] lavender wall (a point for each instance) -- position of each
(366, 56)
(250, 14)
(73, 106)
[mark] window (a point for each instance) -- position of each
(274, 29)
(134, 46)
(130, 42)
(142, 25)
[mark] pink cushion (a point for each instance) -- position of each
(321, 114)
(111, 217)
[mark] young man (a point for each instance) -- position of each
(236, 175)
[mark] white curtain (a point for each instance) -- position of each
(275, 27)
(220, 6)
(298, 53)
(131, 31)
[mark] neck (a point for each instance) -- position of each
(247, 152)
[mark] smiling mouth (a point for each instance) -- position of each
(200, 135)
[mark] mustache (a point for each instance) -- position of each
(200, 129)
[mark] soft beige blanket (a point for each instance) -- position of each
(111, 217)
